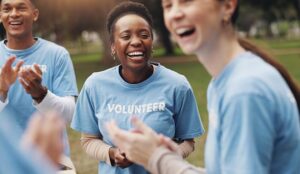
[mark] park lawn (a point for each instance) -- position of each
(86, 64)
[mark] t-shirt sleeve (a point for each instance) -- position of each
(64, 80)
(247, 134)
(187, 118)
(84, 119)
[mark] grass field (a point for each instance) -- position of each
(287, 52)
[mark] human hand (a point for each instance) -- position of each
(45, 133)
(138, 145)
(8, 76)
(119, 158)
(169, 143)
(31, 80)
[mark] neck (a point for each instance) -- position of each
(20, 43)
(219, 53)
(135, 77)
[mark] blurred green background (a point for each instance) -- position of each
(79, 25)
(286, 51)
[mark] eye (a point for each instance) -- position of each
(125, 36)
(166, 5)
(5, 9)
(22, 8)
(145, 35)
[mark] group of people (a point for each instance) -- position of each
(140, 116)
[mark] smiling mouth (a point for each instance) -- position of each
(185, 32)
(15, 23)
(136, 55)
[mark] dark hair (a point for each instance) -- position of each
(247, 45)
(123, 9)
(33, 2)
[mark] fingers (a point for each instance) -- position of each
(118, 136)
(37, 69)
(30, 75)
(31, 82)
(8, 63)
(19, 65)
(141, 127)
(168, 143)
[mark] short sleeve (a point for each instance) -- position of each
(187, 118)
(84, 119)
(64, 77)
(247, 133)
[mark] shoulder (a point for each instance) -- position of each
(174, 78)
(100, 78)
(53, 47)
(254, 76)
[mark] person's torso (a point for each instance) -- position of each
(264, 81)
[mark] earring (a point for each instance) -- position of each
(225, 21)
(113, 54)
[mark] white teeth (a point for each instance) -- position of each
(136, 53)
(182, 30)
(15, 23)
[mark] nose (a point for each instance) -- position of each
(136, 41)
(14, 13)
(175, 12)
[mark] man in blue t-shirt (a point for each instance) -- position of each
(44, 70)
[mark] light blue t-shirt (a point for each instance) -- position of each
(13, 159)
(253, 121)
(164, 101)
(58, 77)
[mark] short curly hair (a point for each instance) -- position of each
(125, 8)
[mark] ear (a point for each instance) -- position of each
(229, 7)
(113, 49)
(36, 14)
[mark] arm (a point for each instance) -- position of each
(63, 105)
(95, 147)
(101, 151)
(161, 154)
(31, 80)
(186, 148)
(165, 161)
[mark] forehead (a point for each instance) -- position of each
(131, 21)
(16, 2)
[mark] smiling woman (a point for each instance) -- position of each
(162, 98)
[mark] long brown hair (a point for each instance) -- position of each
(268, 58)
(247, 45)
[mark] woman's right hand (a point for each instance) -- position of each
(118, 158)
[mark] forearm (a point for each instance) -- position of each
(186, 148)
(168, 162)
(95, 147)
(63, 105)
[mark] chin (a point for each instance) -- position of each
(187, 50)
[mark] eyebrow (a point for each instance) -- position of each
(18, 4)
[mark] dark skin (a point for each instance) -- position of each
(20, 38)
(131, 34)
(31, 80)
(8, 76)
(118, 158)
